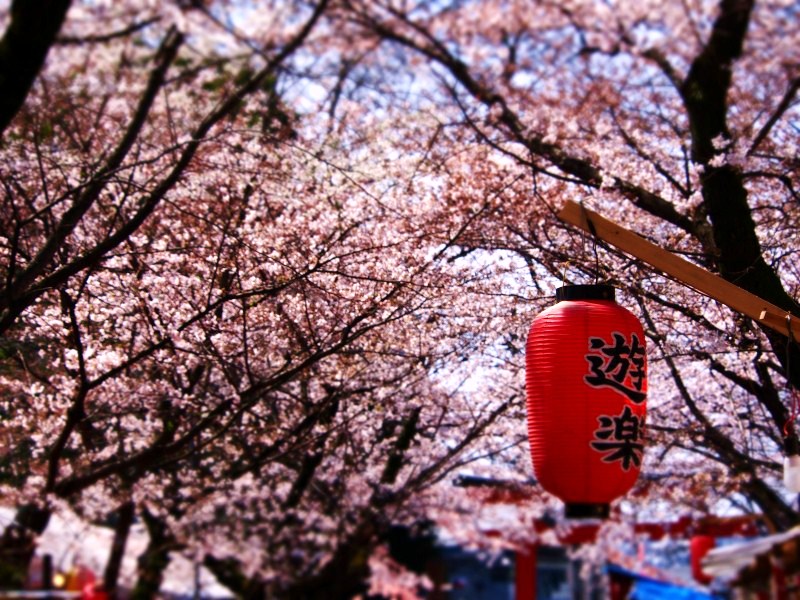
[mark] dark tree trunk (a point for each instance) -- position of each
(741, 262)
(155, 559)
(228, 573)
(18, 544)
(125, 515)
(345, 575)
(738, 252)
(23, 49)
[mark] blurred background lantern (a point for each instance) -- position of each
(791, 473)
(699, 546)
(586, 381)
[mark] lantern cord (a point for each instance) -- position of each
(595, 237)
(788, 427)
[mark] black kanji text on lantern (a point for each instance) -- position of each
(619, 365)
(619, 438)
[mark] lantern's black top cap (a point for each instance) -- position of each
(586, 292)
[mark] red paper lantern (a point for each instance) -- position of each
(586, 381)
(699, 546)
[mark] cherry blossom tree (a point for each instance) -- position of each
(268, 267)
(216, 320)
(676, 119)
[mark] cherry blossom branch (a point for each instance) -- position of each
(785, 181)
(695, 445)
(260, 293)
(159, 454)
(765, 392)
(785, 104)
(17, 294)
(582, 169)
(634, 145)
(727, 452)
(437, 470)
(20, 298)
(77, 410)
(107, 37)
(152, 457)
(395, 460)
(666, 67)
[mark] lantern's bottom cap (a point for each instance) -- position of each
(586, 511)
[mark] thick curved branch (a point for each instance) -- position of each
(658, 57)
(23, 49)
(705, 89)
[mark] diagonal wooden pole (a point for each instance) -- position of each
(681, 270)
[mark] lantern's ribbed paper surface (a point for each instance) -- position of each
(586, 385)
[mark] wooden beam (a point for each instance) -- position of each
(681, 270)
